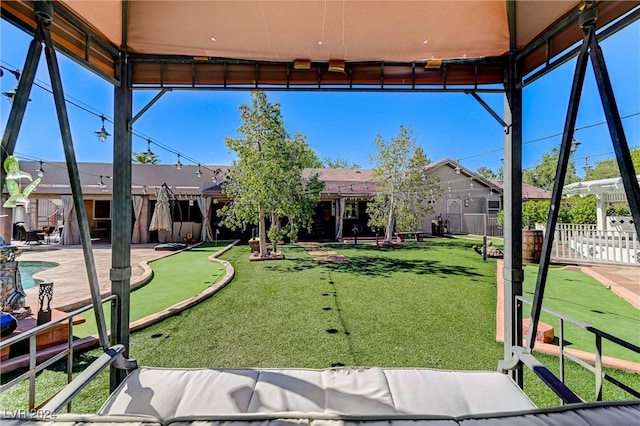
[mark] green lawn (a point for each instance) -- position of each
(578, 296)
(428, 304)
(175, 278)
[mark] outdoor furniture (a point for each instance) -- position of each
(34, 236)
(419, 235)
(48, 230)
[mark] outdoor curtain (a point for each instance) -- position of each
(71, 231)
(139, 227)
(340, 205)
(205, 208)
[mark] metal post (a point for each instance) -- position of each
(121, 225)
(76, 186)
(16, 115)
(620, 145)
(556, 195)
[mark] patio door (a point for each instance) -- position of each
(454, 216)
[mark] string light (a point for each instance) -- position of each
(179, 164)
(40, 171)
(102, 132)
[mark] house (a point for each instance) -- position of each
(468, 203)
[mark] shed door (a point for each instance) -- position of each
(454, 213)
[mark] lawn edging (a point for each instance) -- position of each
(547, 348)
(192, 301)
(90, 342)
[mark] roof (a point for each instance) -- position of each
(401, 34)
(610, 187)
(529, 192)
(448, 162)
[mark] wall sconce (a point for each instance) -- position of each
(302, 64)
(40, 171)
(179, 164)
(102, 132)
(336, 65)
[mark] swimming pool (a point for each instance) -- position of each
(28, 269)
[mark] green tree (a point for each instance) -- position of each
(486, 172)
(339, 163)
(403, 186)
(609, 168)
(143, 158)
(266, 178)
(581, 209)
(543, 174)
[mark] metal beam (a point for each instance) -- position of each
(19, 104)
(616, 130)
(488, 108)
(144, 109)
(76, 186)
(556, 195)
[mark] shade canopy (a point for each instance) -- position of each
(312, 42)
(161, 218)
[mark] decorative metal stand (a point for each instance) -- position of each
(45, 294)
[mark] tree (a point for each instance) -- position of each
(403, 187)
(266, 178)
(143, 158)
(609, 168)
(486, 172)
(339, 163)
(543, 174)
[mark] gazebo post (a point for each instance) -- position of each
(512, 269)
(120, 273)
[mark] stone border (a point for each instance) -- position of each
(93, 341)
(188, 303)
(549, 349)
(621, 291)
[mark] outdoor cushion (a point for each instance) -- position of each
(171, 393)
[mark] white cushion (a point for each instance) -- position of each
(168, 394)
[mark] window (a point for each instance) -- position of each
(493, 206)
(350, 210)
(102, 209)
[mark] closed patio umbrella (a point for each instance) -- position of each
(161, 219)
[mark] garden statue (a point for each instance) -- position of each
(12, 295)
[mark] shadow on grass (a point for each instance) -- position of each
(376, 266)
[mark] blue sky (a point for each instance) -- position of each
(338, 124)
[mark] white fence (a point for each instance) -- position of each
(585, 243)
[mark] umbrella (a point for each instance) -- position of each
(161, 219)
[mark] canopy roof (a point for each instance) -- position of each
(308, 42)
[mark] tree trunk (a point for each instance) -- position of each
(388, 238)
(262, 231)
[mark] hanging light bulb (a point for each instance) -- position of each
(574, 145)
(102, 132)
(179, 164)
(101, 183)
(149, 155)
(40, 171)
(199, 172)
(587, 166)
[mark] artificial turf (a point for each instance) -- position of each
(175, 278)
(429, 304)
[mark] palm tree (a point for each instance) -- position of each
(144, 158)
